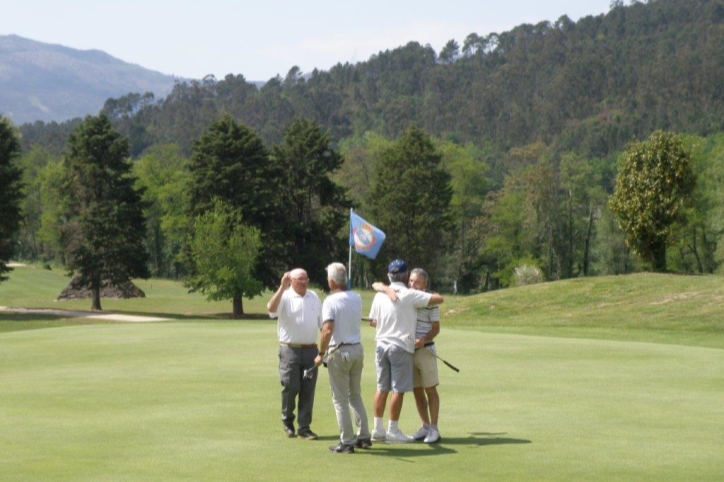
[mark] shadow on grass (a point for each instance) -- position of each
(446, 445)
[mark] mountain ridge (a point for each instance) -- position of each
(54, 83)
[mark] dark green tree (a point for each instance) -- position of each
(103, 228)
(230, 163)
(410, 202)
(10, 193)
(449, 52)
(654, 187)
(225, 251)
(316, 207)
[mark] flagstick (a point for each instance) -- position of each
(349, 263)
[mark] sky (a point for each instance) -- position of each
(265, 38)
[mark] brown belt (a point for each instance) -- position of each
(299, 345)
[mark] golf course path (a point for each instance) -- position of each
(85, 314)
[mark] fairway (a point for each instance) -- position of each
(199, 400)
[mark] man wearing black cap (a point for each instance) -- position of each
(396, 323)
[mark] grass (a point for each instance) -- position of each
(640, 307)
(558, 382)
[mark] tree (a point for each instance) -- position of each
(33, 164)
(162, 174)
(654, 187)
(317, 208)
(103, 228)
(449, 52)
(410, 202)
(230, 163)
(10, 193)
(225, 251)
(470, 185)
(694, 244)
(49, 238)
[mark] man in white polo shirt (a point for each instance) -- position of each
(342, 341)
(396, 322)
(299, 319)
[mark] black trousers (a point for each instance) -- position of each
(292, 363)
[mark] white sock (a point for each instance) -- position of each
(379, 425)
(393, 426)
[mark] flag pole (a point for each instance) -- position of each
(349, 263)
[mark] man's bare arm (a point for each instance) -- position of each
(273, 303)
(435, 299)
(383, 288)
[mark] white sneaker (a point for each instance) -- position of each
(398, 438)
(432, 436)
(379, 436)
(421, 433)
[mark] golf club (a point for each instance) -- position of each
(309, 373)
(448, 364)
(324, 359)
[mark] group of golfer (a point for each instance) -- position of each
(406, 319)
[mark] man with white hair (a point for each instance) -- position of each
(299, 318)
(396, 322)
(342, 341)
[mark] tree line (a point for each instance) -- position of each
(237, 203)
(478, 161)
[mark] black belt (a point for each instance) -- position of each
(426, 345)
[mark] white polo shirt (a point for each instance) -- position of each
(344, 308)
(396, 321)
(299, 318)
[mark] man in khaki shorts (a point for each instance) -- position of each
(425, 374)
(395, 346)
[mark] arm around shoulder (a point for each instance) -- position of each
(435, 299)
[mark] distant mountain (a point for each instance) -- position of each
(46, 82)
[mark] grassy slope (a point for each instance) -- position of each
(642, 307)
(198, 399)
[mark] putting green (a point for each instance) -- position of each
(200, 401)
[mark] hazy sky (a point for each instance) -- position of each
(264, 38)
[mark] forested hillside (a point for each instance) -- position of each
(55, 83)
(590, 86)
(528, 123)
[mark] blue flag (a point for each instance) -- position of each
(366, 239)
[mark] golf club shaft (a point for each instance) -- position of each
(448, 364)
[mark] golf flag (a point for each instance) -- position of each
(366, 239)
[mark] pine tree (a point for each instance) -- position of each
(10, 193)
(410, 202)
(316, 207)
(103, 227)
(231, 164)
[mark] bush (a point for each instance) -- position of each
(527, 275)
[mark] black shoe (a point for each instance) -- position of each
(289, 430)
(341, 448)
(307, 434)
(363, 443)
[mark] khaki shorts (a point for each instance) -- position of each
(425, 372)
